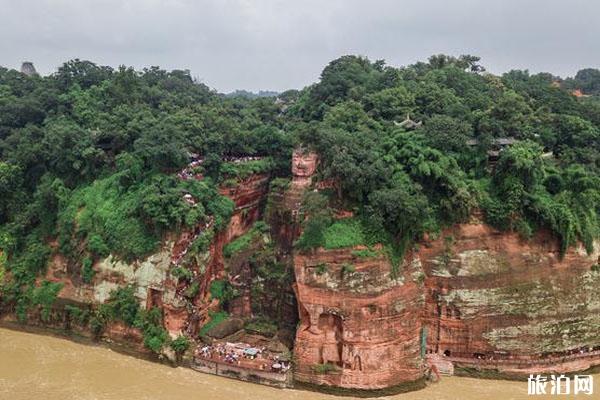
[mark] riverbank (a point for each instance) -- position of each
(124, 348)
(479, 376)
(58, 369)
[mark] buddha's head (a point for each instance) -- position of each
(304, 163)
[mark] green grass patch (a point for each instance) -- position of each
(261, 326)
(129, 221)
(325, 368)
(365, 253)
(239, 244)
(215, 319)
(108, 218)
(243, 242)
(344, 233)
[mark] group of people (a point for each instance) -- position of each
(236, 353)
(581, 351)
(188, 172)
(229, 352)
(187, 239)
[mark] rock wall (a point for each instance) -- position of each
(359, 323)
(492, 296)
(474, 297)
(249, 197)
(357, 317)
(155, 286)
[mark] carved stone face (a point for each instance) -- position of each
(304, 164)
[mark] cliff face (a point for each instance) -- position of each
(358, 318)
(473, 297)
(155, 285)
(491, 295)
(248, 197)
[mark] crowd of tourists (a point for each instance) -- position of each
(245, 356)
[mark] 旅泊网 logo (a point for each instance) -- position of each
(560, 385)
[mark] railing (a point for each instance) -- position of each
(522, 362)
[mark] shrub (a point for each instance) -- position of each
(319, 216)
(242, 170)
(344, 233)
(182, 273)
(44, 296)
(87, 272)
(150, 322)
(155, 338)
(100, 318)
(180, 344)
(223, 291)
(97, 246)
(203, 241)
(192, 290)
(324, 368)
(348, 269)
(123, 305)
(321, 269)
(77, 315)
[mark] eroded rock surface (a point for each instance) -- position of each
(360, 319)
(471, 297)
(493, 296)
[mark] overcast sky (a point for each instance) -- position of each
(276, 45)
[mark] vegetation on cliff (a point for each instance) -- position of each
(518, 146)
(89, 157)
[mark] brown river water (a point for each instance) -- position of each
(50, 368)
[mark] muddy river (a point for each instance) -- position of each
(49, 368)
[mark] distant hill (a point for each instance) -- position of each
(251, 95)
(587, 81)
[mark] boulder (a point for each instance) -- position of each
(225, 328)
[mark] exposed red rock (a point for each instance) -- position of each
(360, 319)
(248, 197)
(492, 300)
(472, 297)
(517, 304)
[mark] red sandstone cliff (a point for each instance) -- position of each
(491, 300)
(356, 316)
(152, 276)
(248, 197)
(492, 296)
(478, 297)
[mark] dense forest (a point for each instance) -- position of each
(89, 157)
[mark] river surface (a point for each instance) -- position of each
(49, 368)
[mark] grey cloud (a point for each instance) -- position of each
(274, 44)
